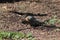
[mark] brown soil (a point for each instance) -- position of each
(10, 21)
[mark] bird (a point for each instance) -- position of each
(32, 21)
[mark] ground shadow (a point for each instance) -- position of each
(29, 14)
(47, 28)
(9, 1)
